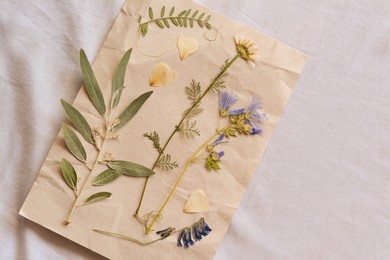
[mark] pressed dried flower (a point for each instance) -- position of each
(246, 48)
(162, 75)
(186, 46)
(198, 229)
(226, 99)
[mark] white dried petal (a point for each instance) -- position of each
(197, 202)
(186, 46)
(162, 75)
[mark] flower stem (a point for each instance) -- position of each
(75, 204)
(189, 162)
(127, 237)
(177, 127)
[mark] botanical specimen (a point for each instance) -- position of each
(98, 137)
(184, 18)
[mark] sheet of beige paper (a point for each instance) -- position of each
(273, 79)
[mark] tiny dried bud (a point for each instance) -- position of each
(115, 123)
(97, 141)
(114, 136)
(97, 131)
(109, 157)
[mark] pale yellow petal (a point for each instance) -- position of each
(197, 202)
(162, 75)
(186, 46)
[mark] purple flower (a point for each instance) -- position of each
(226, 100)
(220, 154)
(255, 117)
(198, 229)
(237, 112)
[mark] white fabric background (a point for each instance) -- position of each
(322, 190)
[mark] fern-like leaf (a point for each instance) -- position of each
(194, 91)
(189, 129)
(155, 138)
(184, 18)
(218, 85)
(165, 163)
(190, 113)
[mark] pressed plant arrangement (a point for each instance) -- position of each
(241, 121)
(146, 174)
(98, 137)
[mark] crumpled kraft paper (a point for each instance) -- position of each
(272, 78)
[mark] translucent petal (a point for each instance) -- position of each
(162, 75)
(186, 46)
(197, 202)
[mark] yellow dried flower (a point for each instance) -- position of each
(246, 48)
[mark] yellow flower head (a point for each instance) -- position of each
(246, 48)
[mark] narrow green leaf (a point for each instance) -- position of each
(130, 168)
(69, 174)
(78, 121)
(97, 197)
(174, 21)
(200, 23)
(195, 13)
(73, 143)
(160, 24)
(182, 13)
(145, 27)
(91, 84)
(207, 19)
(208, 26)
(172, 11)
(201, 16)
(132, 109)
(119, 78)
(105, 177)
(192, 22)
(162, 11)
(187, 13)
(151, 15)
(142, 29)
(166, 22)
(185, 22)
(180, 21)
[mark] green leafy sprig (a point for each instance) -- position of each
(97, 136)
(185, 18)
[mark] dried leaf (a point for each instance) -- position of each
(162, 75)
(186, 46)
(130, 168)
(162, 11)
(182, 13)
(172, 11)
(151, 15)
(197, 202)
(78, 121)
(69, 174)
(105, 177)
(166, 23)
(73, 143)
(160, 24)
(91, 84)
(97, 197)
(119, 78)
(132, 109)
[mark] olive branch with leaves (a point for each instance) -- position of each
(98, 137)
